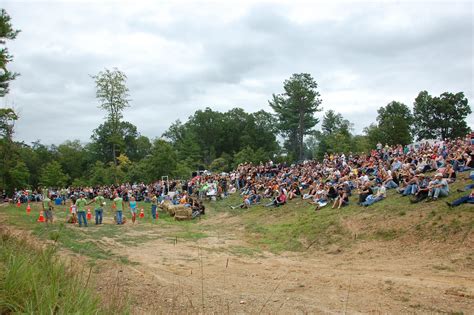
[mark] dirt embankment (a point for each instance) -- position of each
(217, 275)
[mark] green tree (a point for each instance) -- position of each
(36, 156)
(19, 175)
(246, 155)
(112, 94)
(394, 123)
(374, 135)
(336, 135)
(295, 110)
(440, 117)
(6, 33)
(209, 134)
(162, 160)
(99, 174)
(142, 148)
(72, 157)
(218, 165)
(122, 140)
(8, 149)
(334, 122)
(52, 175)
(361, 144)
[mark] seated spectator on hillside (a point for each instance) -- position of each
(388, 181)
(422, 193)
(342, 199)
(294, 191)
(332, 192)
(254, 197)
(320, 199)
(438, 188)
(278, 201)
(364, 192)
(465, 199)
(449, 173)
(379, 195)
(467, 161)
(312, 191)
(245, 203)
(410, 185)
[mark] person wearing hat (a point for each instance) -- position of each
(438, 188)
(81, 210)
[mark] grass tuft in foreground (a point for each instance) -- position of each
(35, 281)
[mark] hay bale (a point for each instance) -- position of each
(183, 213)
(181, 218)
(168, 207)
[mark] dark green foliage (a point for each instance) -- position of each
(6, 32)
(336, 135)
(394, 123)
(126, 140)
(440, 117)
(295, 109)
(52, 175)
(210, 136)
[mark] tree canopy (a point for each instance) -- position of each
(6, 33)
(295, 109)
(440, 117)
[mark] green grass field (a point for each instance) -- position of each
(293, 227)
(34, 280)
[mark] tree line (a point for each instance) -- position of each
(209, 139)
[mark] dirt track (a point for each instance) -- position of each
(370, 277)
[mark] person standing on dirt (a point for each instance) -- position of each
(119, 206)
(99, 203)
(47, 205)
(154, 204)
(81, 210)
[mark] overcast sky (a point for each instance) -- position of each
(183, 56)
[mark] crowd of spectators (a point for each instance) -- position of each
(421, 172)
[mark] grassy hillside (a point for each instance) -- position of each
(296, 226)
(30, 275)
(293, 227)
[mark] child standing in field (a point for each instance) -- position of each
(154, 205)
(99, 203)
(47, 209)
(133, 208)
(81, 210)
(119, 205)
(73, 218)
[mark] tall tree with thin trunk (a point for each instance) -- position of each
(295, 109)
(6, 32)
(8, 149)
(112, 94)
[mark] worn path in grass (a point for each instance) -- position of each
(393, 257)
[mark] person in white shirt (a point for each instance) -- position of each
(380, 195)
(437, 188)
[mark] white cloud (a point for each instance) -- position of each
(181, 56)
